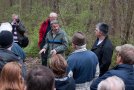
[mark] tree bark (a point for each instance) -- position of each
(126, 31)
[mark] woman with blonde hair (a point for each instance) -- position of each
(11, 78)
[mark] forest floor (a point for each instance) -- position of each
(32, 62)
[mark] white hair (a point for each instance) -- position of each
(53, 14)
(6, 27)
(15, 15)
(111, 83)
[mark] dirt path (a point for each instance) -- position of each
(32, 62)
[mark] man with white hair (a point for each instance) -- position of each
(124, 68)
(112, 83)
(44, 29)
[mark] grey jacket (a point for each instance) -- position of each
(59, 42)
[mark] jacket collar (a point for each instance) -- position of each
(125, 66)
(95, 46)
(103, 42)
(80, 50)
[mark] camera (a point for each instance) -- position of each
(17, 20)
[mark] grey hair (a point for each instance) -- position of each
(126, 52)
(53, 14)
(15, 15)
(111, 83)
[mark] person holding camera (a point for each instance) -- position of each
(18, 31)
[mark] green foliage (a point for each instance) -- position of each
(32, 49)
(74, 15)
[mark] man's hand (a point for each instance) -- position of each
(42, 50)
(53, 52)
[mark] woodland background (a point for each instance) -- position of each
(74, 15)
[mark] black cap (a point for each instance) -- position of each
(6, 39)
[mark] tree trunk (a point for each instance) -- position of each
(114, 17)
(55, 5)
(126, 31)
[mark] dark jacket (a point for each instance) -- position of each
(20, 28)
(83, 65)
(124, 71)
(104, 52)
(66, 83)
(19, 34)
(8, 56)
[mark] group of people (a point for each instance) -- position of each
(83, 69)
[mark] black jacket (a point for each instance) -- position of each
(104, 52)
(66, 83)
(8, 56)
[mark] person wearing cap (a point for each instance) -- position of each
(6, 55)
(82, 62)
(44, 29)
(56, 40)
(124, 68)
(103, 47)
(6, 26)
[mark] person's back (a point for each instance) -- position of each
(124, 68)
(83, 64)
(6, 26)
(40, 78)
(62, 81)
(6, 55)
(18, 50)
(11, 77)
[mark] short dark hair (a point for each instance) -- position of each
(40, 78)
(79, 39)
(103, 28)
